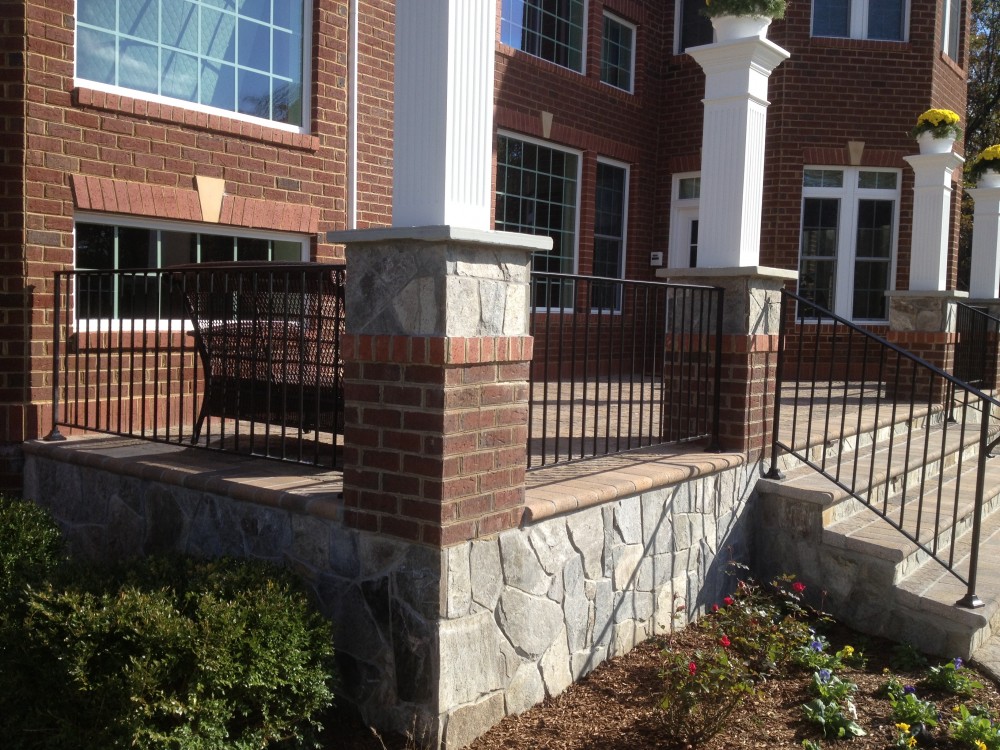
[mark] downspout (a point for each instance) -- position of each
(352, 115)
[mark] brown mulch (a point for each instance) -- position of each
(615, 707)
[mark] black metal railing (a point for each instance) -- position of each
(860, 410)
(237, 357)
(620, 365)
(976, 346)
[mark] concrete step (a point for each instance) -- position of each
(875, 578)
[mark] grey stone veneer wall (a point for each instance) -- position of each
(447, 640)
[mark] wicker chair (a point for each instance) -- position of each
(268, 336)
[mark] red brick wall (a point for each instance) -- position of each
(274, 179)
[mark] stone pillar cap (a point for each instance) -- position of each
(441, 233)
(727, 272)
(944, 293)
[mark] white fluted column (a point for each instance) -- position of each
(984, 282)
(732, 157)
(931, 219)
(443, 113)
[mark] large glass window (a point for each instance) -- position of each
(242, 56)
(860, 19)
(537, 194)
(549, 29)
(618, 53)
(694, 26)
(848, 240)
(109, 247)
(611, 200)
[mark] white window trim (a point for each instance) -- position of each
(153, 325)
(631, 63)
(859, 23)
(682, 210)
(307, 93)
(847, 232)
(947, 24)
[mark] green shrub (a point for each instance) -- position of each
(171, 655)
(31, 547)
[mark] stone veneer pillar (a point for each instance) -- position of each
(923, 323)
(732, 151)
(931, 219)
(750, 325)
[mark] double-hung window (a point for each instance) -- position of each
(860, 19)
(848, 241)
(549, 29)
(610, 221)
(952, 28)
(536, 193)
(238, 56)
(139, 250)
(618, 53)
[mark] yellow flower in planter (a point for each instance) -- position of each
(943, 123)
(988, 159)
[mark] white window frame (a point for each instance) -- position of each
(682, 212)
(679, 48)
(579, 190)
(627, 169)
(307, 94)
(859, 22)
(949, 25)
(849, 195)
(583, 39)
(88, 325)
(631, 64)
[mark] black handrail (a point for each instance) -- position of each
(976, 346)
(241, 357)
(621, 364)
(864, 370)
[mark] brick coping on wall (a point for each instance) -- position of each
(318, 492)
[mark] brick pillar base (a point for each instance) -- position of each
(922, 323)
(436, 435)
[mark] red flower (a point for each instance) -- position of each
(798, 587)
(728, 601)
(715, 607)
(724, 641)
(692, 667)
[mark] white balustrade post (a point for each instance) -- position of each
(984, 282)
(931, 219)
(443, 113)
(732, 158)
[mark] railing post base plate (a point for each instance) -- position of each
(55, 435)
(774, 473)
(970, 601)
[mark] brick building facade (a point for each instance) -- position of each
(600, 86)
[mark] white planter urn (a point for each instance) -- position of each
(931, 144)
(729, 28)
(989, 179)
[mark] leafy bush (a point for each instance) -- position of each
(31, 547)
(951, 678)
(975, 728)
(167, 654)
(700, 694)
(908, 708)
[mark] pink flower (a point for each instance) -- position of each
(692, 667)
(715, 607)
(724, 641)
(728, 601)
(798, 587)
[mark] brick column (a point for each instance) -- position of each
(436, 368)
(923, 323)
(749, 350)
(436, 435)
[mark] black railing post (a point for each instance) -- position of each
(715, 445)
(774, 472)
(54, 434)
(971, 600)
